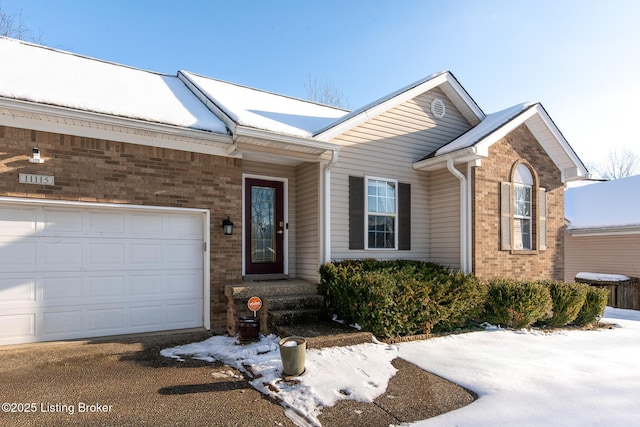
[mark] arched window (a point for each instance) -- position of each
(522, 209)
(523, 222)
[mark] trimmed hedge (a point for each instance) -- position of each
(395, 298)
(593, 307)
(517, 304)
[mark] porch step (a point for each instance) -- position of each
(326, 334)
(295, 316)
(290, 307)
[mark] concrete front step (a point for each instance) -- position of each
(325, 334)
(291, 302)
(296, 316)
(265, 289)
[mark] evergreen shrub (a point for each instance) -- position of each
(593, 307)
(567, 298)
(517, 304)
(396, 298)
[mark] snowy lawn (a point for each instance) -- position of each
(524, 378)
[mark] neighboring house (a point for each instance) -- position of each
(119, 228)
(603, 232)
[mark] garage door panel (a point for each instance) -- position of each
(179, 285)
(64, 290)
(183, 226)
(17, 327)
(105, 288)
(61, 324)
(146, 317)
(110, 255)
(18, 221)
(17, 255)
(65, 222)
(182, 315)
(56, 253)
(144, 286)
(184, 255)
(147, 225)
(106, 319)
(145, 255)
(105, 222)
(17, 290)
(76, 272)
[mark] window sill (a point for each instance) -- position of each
(524, 252)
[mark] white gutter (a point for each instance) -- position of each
(463, 215)
(327, 206)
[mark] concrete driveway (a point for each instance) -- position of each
(125, 381)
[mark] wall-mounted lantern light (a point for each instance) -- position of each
(227, 225)
(35, 158)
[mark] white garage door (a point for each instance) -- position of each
(75, 272)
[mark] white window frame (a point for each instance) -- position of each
(368, 213)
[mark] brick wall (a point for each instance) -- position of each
(488, 259)
(93, 170)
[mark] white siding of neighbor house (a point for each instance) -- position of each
(601, 254)
(308, 221)
(444, 215)
(387, 146)
(271, 171)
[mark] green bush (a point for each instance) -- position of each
(517, 304)
(593, 307)
(395, 298)
(567, 298)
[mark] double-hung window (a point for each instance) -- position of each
(522, 216)
(381, 208)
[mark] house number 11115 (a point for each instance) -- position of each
(27, 178)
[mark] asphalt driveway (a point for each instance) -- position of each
(125, 382)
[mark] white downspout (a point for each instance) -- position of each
(327, 206)
(469, 219)
(463, 215)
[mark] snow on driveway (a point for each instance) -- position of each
(524, 378)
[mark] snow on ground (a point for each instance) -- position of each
(524, 378)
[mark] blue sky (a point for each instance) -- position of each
(580, 58)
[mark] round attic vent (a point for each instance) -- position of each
(437, 108)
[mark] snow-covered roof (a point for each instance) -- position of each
(262, 110)
(490, 124)
(53, 77)
(606, 206)
(474, 144)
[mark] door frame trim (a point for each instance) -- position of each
(285, 202)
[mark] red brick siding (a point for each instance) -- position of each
(93, 170)
(488, 260)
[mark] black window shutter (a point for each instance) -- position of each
(356, 212)
(404, 217)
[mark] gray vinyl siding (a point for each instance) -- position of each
(308, 221)
(386, 147)
(444, 214)
(601, 254)
(267, 171)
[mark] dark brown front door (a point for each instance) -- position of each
(264, 227)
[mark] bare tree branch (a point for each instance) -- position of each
(619, 163)
(13, 26)
(324, 92)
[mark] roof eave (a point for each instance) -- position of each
(464, 155)
(604, 231)
(244, 132)
(63, 120)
